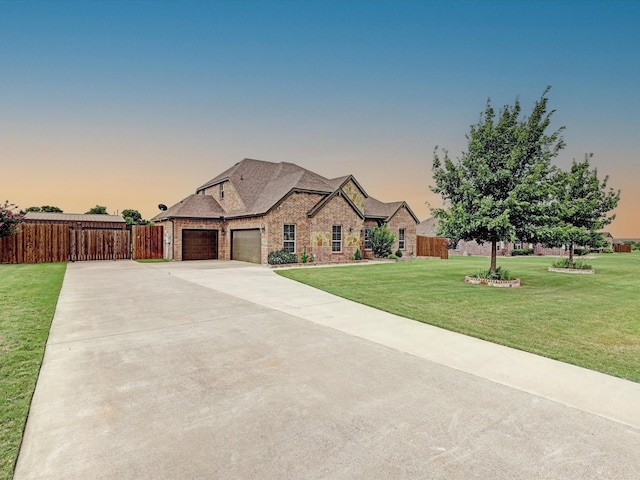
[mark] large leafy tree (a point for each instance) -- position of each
(10, 218)
(97, 210)
(44, 208)
(500, 188)
(581, 205)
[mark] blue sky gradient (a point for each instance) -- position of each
(131, 104)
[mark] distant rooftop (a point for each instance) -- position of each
(73, 217)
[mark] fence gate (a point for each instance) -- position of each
(147, 241)
(98, 245)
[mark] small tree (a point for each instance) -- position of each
(580, 207)
(499, 190)
(133, 217)
(382, 241)
(9, 219)
(98, 210)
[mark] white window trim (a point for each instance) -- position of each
(365, 239)
(332, 241)
(285, 241)
(222, 191)
(402, 237)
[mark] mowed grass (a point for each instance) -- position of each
(28, 296)
(587, 320)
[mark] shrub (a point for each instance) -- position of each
(577, 264)
(382, 241)
(500, 274)
(357, 255)
(580, 251)
(392, 257)
(9, 219)
(282, 257)
(398, 253)
(304, 257)
(521, 252)
(609, 250)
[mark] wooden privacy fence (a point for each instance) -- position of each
(146, 241)
(36, 244)
(99, 245)
(432, 247)
(43, 243)
(620, 248)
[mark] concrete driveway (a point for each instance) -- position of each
(225, 370)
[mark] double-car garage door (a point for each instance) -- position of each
(245, 245)
(203, 245)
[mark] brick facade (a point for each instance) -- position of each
(173, 235)
(403, 219)
(336, 212)
(231, 202)
(504, 249)
(266, 196)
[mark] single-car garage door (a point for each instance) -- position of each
(199, 244)
(245, 245)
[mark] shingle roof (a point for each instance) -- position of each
(374, 208)
(428, 227)
(73, 217)
(262, 185)
(194, 206)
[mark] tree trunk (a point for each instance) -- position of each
(571, 255)
(494, 254)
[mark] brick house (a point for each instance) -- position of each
(257, 207)
(429, 228)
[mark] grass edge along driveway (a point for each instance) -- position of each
(592, 321)
(28, 297)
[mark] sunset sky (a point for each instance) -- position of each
(132, 104)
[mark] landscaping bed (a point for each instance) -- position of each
(575, 271)
(493, 283)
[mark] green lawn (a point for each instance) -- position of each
(588, 320)
(28, 296)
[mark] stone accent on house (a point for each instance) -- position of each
(336, 212)
(320, 239)
(352, 191)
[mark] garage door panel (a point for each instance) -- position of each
(246, 245)
(199, 244)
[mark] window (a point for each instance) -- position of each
(401, 241)
(221, 191)
(289, 238)
(336, 238)
(367, 239)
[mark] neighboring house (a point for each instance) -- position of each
(258, 207)
(609, 241)
(77, 221)
(429, 228)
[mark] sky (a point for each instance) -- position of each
(132, 104)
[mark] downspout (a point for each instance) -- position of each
(172, 241)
